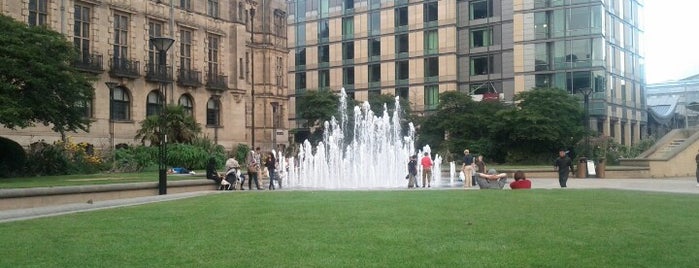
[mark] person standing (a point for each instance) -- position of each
(253, 169)
(697, 159)
(271, 165)
(480, 167)
(467, 168)
(426, 162)
(412, 171)
(563, 165)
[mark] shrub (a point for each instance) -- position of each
(12, 158)
(240, 152)
(62, 158)
(135, 159)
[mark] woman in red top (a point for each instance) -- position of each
(521, 181)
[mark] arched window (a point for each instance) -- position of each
(154, 103)
(120, 103)
(86, 106)
(213, 112)
(187, 103)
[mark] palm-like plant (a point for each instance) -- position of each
(181, 127)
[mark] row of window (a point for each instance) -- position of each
(120, 106)
(430, 101)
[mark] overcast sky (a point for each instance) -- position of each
(671, 34)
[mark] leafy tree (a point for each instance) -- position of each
(181, 127)
(38, 84)
(459, 123)
(543, 121)
(317, 107)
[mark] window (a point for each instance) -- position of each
(241, 69)
(247, 66)
(541, 57)
(81, 32)
(348, 4)
(186, 102)
(155, 29)
(375, 72)
(280, 23)
(401, 14)
(121, 36)
(348, 50)
(431, 97)
(403, 93)
(213, 113)
(86, 107)
(481, 9)
(431, 13)
(119, 103)
(542, 81)
(324, 79)
(374, 47)
(323, 30)
(402, 43)
(154, 103)
(324, 54)
(482, 37)
(373, 4)
(241, 11)
(186, 49)
(300, 80)
(38, 12)
(347, 27)
(373, 92)
(432, 67)
(300, 56)
(402, 70)
(375, 23)
(301, 34)
(212, 60)
(431, 42)
(186, 4)
(348, 76)
(212, 8)
(481, 65)
(280, 72)
(324, 9)
(575, 81)
(541, 25)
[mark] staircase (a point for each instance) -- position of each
(672, 156)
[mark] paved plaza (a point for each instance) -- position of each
(683, 185)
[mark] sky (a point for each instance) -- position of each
(671, 39)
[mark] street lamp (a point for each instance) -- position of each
(162, 44)
(275, 108)
(586, 93)
(112, 86)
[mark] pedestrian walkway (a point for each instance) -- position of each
(685, 185)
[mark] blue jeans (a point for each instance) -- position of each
(272, 177)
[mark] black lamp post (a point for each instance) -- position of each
(111, 86)
(275, 110)
(162, 44)
(586, 93)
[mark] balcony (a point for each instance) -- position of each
(120, 67)
(189, 78)
(158, 73)
(216, 82)
(91, 63)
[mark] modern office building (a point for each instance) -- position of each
(226, 66)
(491, 49)
(672, 105)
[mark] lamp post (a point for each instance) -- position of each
(275, 107)
(162, 44)
(586, 93)
(252, 65)
(111, 86)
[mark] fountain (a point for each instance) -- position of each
(375, 156)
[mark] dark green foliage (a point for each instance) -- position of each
(317, 106)
(38, 84)
(181, 127)
(60, 158)
(190, 156)
(135, 159)
(240, 153)
(12, 157)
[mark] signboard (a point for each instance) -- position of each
(591, 168)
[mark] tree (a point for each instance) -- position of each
(317, 107)
(38, 84)
(181, 127)
(543, 121)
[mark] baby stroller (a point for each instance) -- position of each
(233, 175)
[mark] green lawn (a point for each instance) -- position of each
(421, 228)
(90, 179)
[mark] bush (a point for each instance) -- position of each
(190, 156)
(62, 158)
(135, 159)
(12, 158)
(240, 152)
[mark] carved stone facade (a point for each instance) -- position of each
(209, 67)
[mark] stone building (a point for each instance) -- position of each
(228, 59)
(490, 49)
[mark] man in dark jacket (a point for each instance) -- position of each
(564, 166)
(412, 171)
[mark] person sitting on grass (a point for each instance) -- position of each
(521, 181)
(492, 180)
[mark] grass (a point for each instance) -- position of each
(438, 228)
(89, 179)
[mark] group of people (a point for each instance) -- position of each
(230, 179)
